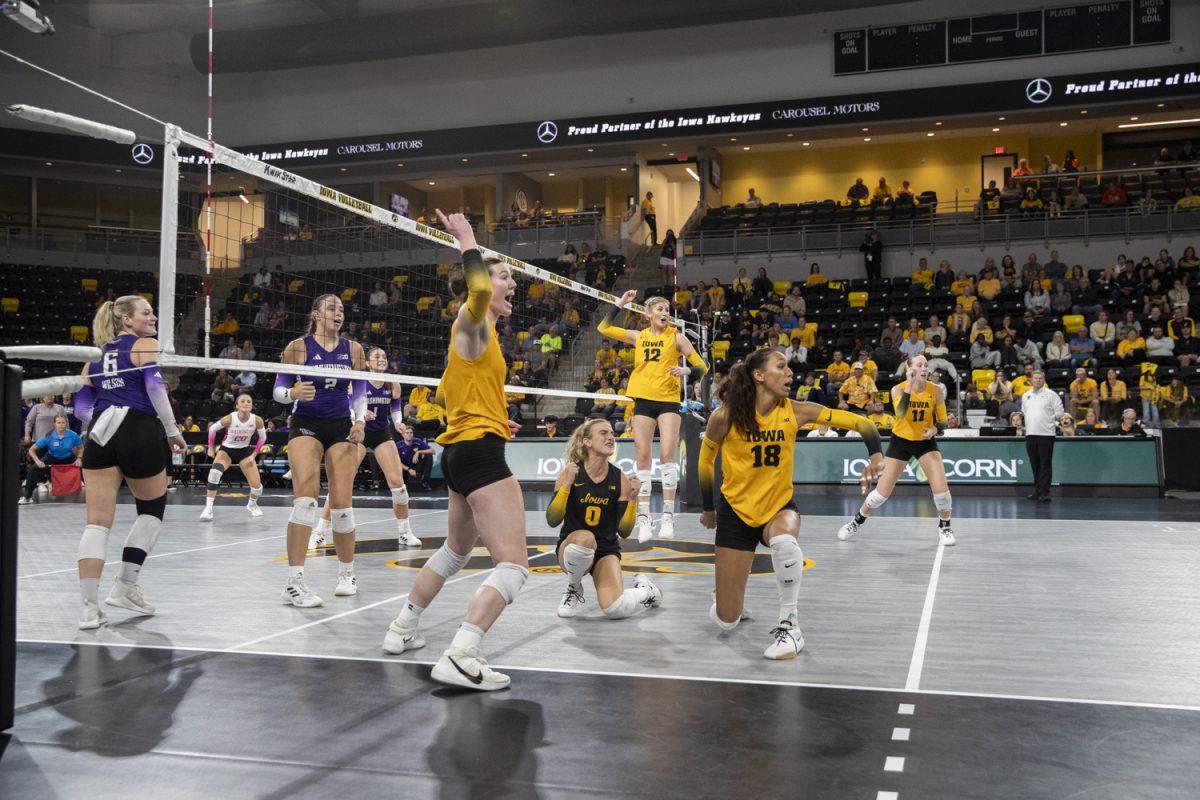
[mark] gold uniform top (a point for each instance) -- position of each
(474, 393)
(756, 471)
(920, 415)
(653, 355)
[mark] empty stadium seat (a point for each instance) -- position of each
(859, 299)
(982, 378)
(79, 333)
(1072, 323)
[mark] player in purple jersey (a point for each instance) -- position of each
(323, 427)
(131, 425)
(384, 401)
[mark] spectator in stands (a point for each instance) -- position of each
(1147, 205)
(1010, 195)
(989, 284)
(1070, 162)
(551, 344)
(666, 259)
(794, 301)
(1036, 299)
(753, 200)
(249, 353)
(883, 421)
(1155, 317)
(858, 193)
(1016, 421)
(416, 457)
(972, 400)
(943, 279)
(936, 355)
(964, 286)
(278, 317)
(1149, 391)
(982, 356)
(1113, 396)
(1003, 401)
(227, 326)
(1058, 352)
(1127, 323)
(1027, 351)
(1187, 154)
(1114, 196)
(231, 349)
(796, 354)
(244, 381)
(1154, 294)
(815, 278)
(39, 422)
(857, 390)
(1084, 393)
(905, 196)
(934, 328)
(1188, 202)
(1031, 202)
(887, 356)
(1187, 347)
(1083, 348)
(1176, 402)
(568, 260)
(1179, 295)
(378, 298)
(923, 275)
(810, 390)
(1049, 167)
(263, 317)
(222, 388)
(606, 408)
(958, 336)
(762, 289)
(882, 193)
(262, 280)
(988, 196)
(913, 344)
(1054, 205)
(1179, 318)
(981, 327)
(837, 372)
(618, 374)
(1090, 425)
(651, 218)
(430, 417)
(872, 250)
(1159, 348)
(1007, 328)
(1075, 200)
(1103, 333)
(716, 296)
(60, 446)
(741, 284)
(1129, 425)
(1023, 169)
(1023, 382)
(1164, 157)
(1087, 301)
(1061, 301)
(892, 330)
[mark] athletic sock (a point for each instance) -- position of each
(859, 519)
(345, 569)
(208, 501)
(410, 615)
(89, 589)
(403, 526)
(129, 572)
(467, 637)
(295, 573)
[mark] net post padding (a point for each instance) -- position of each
(168, 236)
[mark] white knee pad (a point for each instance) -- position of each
(787, 549)
(942, 502)
(670, 475)
(446, 562)
(341, 520)
(507, 579)
(722, 624)
(875, 499)
(624, 607)
(144, 533)
(304, 511)
(214, 476)
(400, 496)
(94, 542)
(578, 556)
(644, 477)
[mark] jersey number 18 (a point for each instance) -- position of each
(766, 455)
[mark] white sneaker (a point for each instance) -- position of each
(287, 476)
(642, 528)
(207, 514)
(656, 594)
(316, 538)
(666, 526)
(253, 508)
(571, 602)
(398, 639)
(947, 536)
(128, 595)
(347, 585)
(25, 501)
(409, 539)
(847, 530)
(468, 669)
(90, 615)
(786, 642)
(298, 594)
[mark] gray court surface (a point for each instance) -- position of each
(1024, 625)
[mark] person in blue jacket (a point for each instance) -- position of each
(61, 446)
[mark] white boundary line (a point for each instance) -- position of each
(918, 657)
(648, 675)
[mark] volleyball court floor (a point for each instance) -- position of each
(1042, 657)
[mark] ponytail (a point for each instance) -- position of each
(108, 324)
(740, 392)
(576, 450)
(316, 306)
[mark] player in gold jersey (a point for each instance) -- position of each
(485, 498)
(755, 431)
(920, 416)
(656, 390)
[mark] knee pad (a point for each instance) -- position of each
(644, 478)
(152, 508)
(875, 499)
(446, 562)
(942, 502)
(304, 511)
(787, 549)
(256, 491)
(623, 607)
(400, 496)
(670, 475)
(142, 538)
(341, 520)
(722, 624)
(214, 476)
(507, 579)
(94, 542)
(575, 555)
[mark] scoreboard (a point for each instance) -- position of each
(1064, 29)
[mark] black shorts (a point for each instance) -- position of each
(605, 546)
(905, 449)
(473, 464)
(138, 448)
(734, 533)
(373, 439)
(238, 454)
(326, 431)
(653, 408)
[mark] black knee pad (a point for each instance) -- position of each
(154, 508)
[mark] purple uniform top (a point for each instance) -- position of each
(117, 381)
(379, 400)
(332, 400)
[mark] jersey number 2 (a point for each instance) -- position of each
(591, 515)
(766, 455)
(330, 383)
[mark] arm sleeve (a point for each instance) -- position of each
(283, 388)
(699, 368)
(708, 463)
(853, 422)
(396, 410)
(558, 507)
(157, 391)
(902, 405)
(262, 440)
(358, 400)
(628, 517)
(939, 417)
(85, 403)
(212, 433)
(479, 285)
(607, 328)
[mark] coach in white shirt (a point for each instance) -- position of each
(1041, 408)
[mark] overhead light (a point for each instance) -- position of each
(1083, 111)
(432, 183)
(242, 197)
(692, 172)
(1162, 105)
(1062, 124)
(1002, 118)
(929, 134)
(806, 144)
(524, 155)
(747, 147)
(551, 174)
(116, 170)
(866, 129)
(465, 160)
(1155, 124)
(866, 138)
(49, 163)
(399, 165)
(995, 130)
(662, 144)
(591, 150)
(733, 138)
(1133, 119)
(939, 122)
(670, 154)
(343, 169)
(790, 135)
(624, 169)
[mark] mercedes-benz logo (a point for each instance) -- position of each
(143, 153)
(547, 132)
(1038, 90)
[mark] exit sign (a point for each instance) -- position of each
(998, 150)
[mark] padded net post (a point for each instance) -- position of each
(168, 240)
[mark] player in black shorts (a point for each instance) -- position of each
(593, 501)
